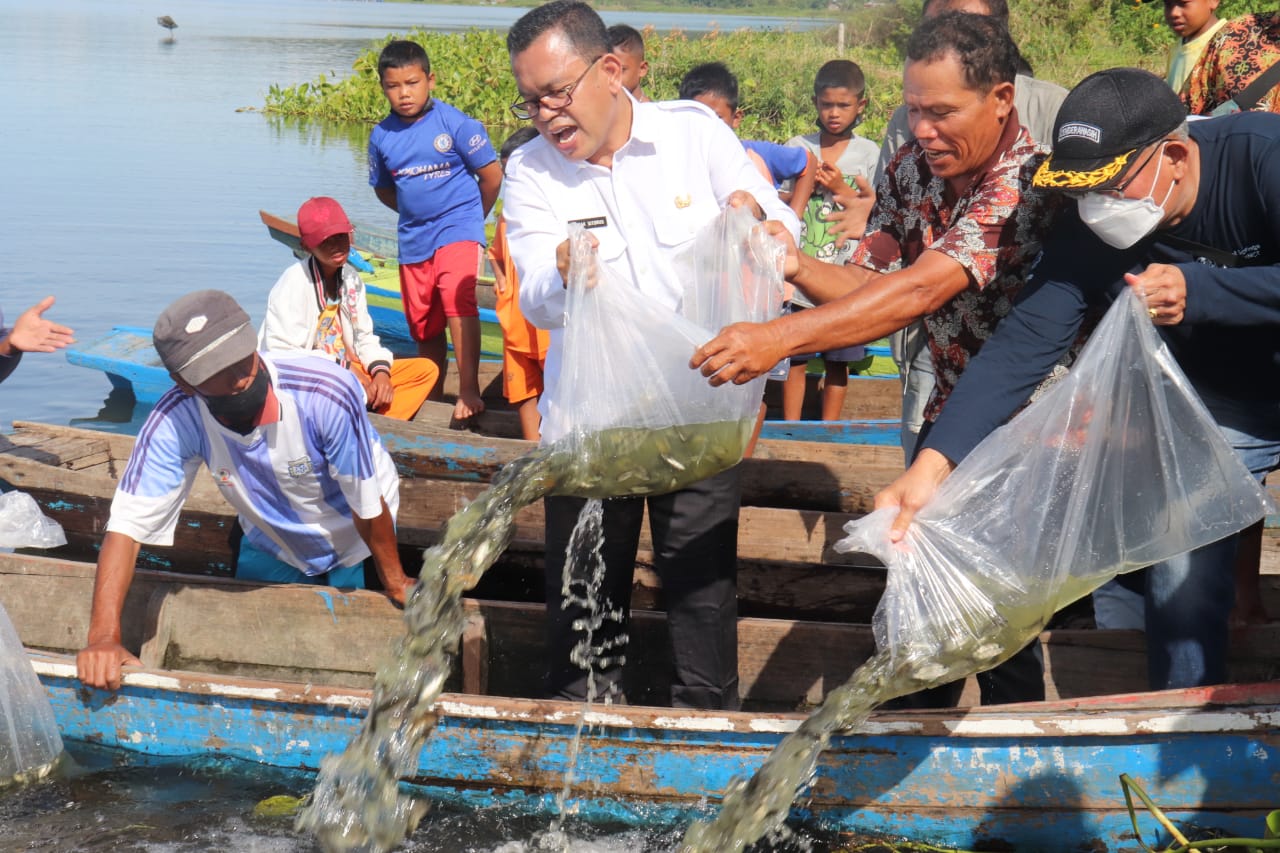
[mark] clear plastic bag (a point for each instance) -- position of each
(1116, 467)
(29, 739)
(635, 418)
(22, 525)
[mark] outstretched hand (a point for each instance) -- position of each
(740, 353)
(33, 333)
(914, 489)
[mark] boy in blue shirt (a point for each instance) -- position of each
(435, 167)
(847, 163)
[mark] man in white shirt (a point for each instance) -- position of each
(289, 446)
(643, 179)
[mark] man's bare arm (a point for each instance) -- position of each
(98, 663)
(380, 535)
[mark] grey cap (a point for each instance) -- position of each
(203, 333)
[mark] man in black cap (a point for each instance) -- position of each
(1188, 216)
(287, 443)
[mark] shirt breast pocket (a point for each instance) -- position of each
(678, 229)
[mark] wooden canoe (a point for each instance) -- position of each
(786, 560)
(278, 675)
(787, 563)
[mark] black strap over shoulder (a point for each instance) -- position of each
(1248, 97)
(1219, 257)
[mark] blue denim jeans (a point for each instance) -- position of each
(1189, 598)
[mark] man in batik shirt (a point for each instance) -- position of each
(955, 227)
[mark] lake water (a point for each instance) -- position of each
(131, 176)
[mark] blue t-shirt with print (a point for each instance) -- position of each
(432, 163)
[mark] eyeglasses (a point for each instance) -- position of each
(1118, 190)
(557, 100)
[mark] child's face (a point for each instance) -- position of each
(1188, 18)
(408, 90)
(838, 108)
(332, 252)
(720, 106)
(634, 69)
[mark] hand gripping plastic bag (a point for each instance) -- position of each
(1116, 467)
(22, 525)
(635, 419)
(29, 739)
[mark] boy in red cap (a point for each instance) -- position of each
(319, 305)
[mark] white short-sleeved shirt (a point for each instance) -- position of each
(672, 177)
(295, 483)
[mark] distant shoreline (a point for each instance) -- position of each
(646, 6)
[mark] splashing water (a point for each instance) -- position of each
(760, 805)
(357, 805)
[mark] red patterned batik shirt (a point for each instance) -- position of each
(993, 229)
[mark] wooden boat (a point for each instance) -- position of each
(279, 675)
(786, 560)
(128, 358)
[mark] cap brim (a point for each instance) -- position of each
(230, 350)
(1057, 173)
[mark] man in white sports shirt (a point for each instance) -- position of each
(287, 442)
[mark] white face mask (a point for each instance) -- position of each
(1121, 222)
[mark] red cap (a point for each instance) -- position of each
(319, 219)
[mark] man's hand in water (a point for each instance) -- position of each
(914, 489)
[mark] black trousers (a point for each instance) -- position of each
(695, 542)
(1019, 679)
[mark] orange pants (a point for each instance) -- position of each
(412, 379)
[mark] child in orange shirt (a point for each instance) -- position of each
(524, 345)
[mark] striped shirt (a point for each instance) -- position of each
(295, 483)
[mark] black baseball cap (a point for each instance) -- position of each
(1102, 124)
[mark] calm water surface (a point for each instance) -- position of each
(130, 177)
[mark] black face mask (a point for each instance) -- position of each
(238, 411)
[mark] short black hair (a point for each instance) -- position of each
(401, 54)
(710, 78)
(626, 37)
(839, 74)
(979, 43)
(515, 140)
(578, 21)
(998, 9)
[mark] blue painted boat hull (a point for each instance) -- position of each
(1042, 776)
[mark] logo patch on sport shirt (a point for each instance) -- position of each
(300, 467)
(224, 477)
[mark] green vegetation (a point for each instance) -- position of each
(1064, 41)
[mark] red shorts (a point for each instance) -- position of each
(442, 286)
